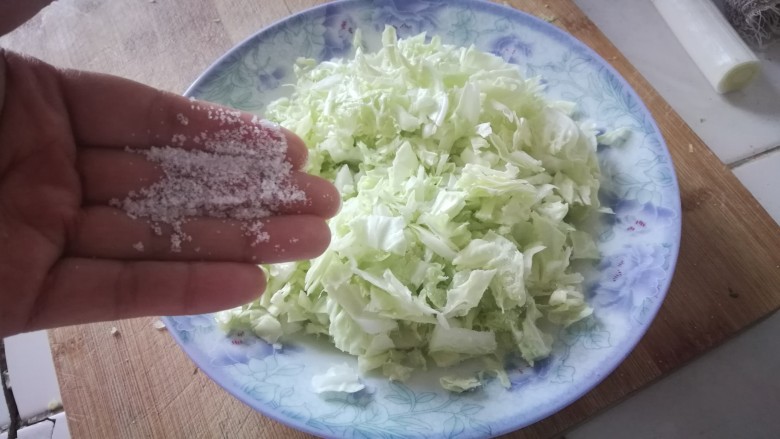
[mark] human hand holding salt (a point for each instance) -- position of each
(118, 200)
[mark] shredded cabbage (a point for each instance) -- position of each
(339, 378)
(462, 188)
(459, 384)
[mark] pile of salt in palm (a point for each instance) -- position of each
(240, 172)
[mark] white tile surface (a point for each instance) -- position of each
(732, 392)
(61, 430)
(762, 178)
(56, 427)
(41, 430)
(4, 418)
(32, 372)
(735, 126)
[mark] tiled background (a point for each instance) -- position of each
(35, 387)
(56, 427)
(4, 418)
(731, 392)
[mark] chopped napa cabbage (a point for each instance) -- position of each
(463, 192)
(339, 378)
(616, 137)
(459, 384)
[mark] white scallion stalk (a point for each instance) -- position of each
(716, 48)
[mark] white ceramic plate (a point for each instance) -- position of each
(639, 243)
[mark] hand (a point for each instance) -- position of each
(67, 257)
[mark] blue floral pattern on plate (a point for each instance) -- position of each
(639, 243)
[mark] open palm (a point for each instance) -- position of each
(67, 257)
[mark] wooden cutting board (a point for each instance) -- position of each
(140, 384)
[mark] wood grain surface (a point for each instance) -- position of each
(141, 385)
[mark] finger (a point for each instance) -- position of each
(108, 111)
(112, 174)
(90, 290)
(104, 232)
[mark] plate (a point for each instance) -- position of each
(639, 243)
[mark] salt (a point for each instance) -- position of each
(256, 230)
(241, 173)
(178, 139)
(176, 241)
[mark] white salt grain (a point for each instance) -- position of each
(255, 230)
(178, 139)
(182, 119)
(241, 173)
(176, 242)
(139, 246)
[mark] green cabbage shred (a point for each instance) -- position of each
(464, 195)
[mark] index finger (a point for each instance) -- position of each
(111, 112)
